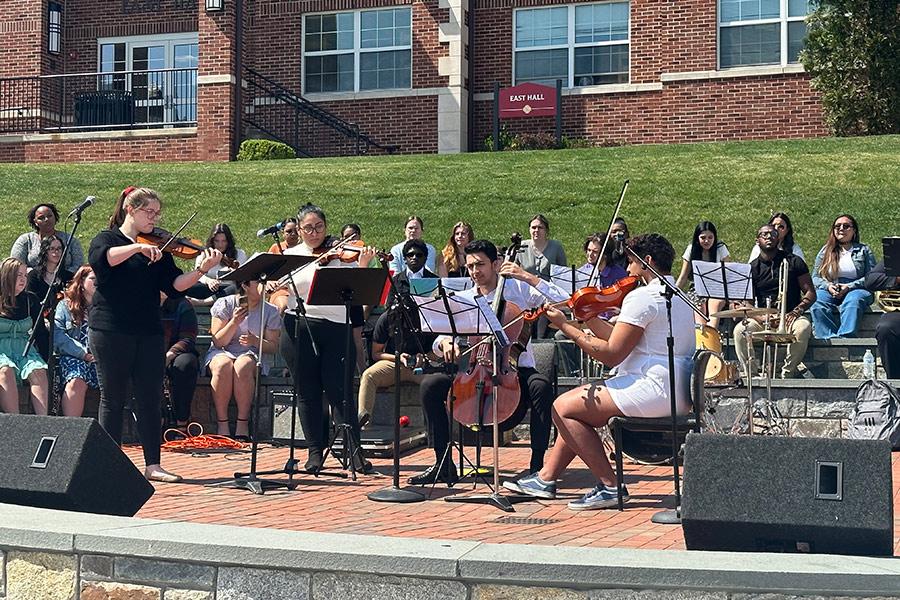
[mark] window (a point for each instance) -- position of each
(54, 27)
(159, 73)
(761, 32)
(583, 45)
(362, 50)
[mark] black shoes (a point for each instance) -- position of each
(432, 475)
(315, 461)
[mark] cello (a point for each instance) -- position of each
(474, 390)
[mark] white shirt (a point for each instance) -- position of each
(721, 253)
(241, 258)
(846, 268)
(522, 295)
(796, 251)
(303, 280)
(645, 307)
(398, 264)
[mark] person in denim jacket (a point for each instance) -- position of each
(839, 276)
(76, 368)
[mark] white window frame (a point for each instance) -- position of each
(782, 20)
(570, 44)
(357, 49)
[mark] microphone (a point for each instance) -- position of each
(84, 204)
(619, 238)
(270, 230)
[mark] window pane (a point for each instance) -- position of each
(186, 56)
(385, 28)
(748, 10)
(542, 27)
(796, 37)
(329, 73)
(800, 8)
(542, 66)
(384, 70)
(601, 22)
(329, 32)
(601, 65)
(750, 45)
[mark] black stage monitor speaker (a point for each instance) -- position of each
(67, 463)
(778, 494)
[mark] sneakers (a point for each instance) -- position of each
(532, 485)
(601, 496)
(432, 475)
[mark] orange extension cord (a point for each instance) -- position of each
(176, 440)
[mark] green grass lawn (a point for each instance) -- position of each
(735, 185)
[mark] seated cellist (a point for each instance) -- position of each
(640, 388)
(526, 291)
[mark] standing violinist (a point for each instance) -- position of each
(640, 388)
(526, 291)
(125, 332)
(322, 373)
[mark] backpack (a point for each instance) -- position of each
(876, 415)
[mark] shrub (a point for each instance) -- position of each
(264, 150)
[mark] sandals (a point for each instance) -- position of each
(242, 437)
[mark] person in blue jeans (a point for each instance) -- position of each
(839, 277)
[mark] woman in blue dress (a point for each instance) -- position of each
(76, 367)
(19, 310)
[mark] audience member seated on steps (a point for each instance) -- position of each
(381, 373)
(18, 311)
(782, 223)
(75, 365)
(705, 246)
(43, 219)
(887, 331)
(179, 323)
(413, 231)
(452, 262)
(766, 271)
(221, 239)
(235, 346)
(839, 276)
(39, 280)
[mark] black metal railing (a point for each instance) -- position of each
(99, 101)
(273, 111)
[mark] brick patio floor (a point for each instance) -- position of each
(334, 505)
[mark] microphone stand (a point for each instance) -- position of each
(48, 310)
(669, 517)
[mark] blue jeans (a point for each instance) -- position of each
(827, 324)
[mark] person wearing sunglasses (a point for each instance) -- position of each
(839, 276)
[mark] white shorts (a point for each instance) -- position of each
(647, 395)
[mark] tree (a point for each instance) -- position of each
(852, 51)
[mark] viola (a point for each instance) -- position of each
(473, 390)
(589, 302)
(179, 247)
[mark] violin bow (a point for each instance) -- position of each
(177, 233)
(594, 274)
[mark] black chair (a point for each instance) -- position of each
(686, 423)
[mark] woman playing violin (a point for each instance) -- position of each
(125, 332)
(640, 388)
(526, 291)
(319, 373)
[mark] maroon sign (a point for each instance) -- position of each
(527, 100)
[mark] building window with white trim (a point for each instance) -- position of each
(761, 32)
(584, 44)
(360, 50)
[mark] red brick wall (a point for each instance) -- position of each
(410, 122)
(21, 37)
(726, 109)
(216, 103)
(167, 149)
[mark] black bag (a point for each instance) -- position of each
(876, 415)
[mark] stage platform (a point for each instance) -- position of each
(333, 505)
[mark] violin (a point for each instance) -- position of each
(345, 251)
(590, 302)
(473, 389)
(179, 247)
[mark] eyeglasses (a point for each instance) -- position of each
(310, 229)
(414, 255)
(764, 234)
(152, 214)
(841, 226)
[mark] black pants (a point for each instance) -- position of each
(317, 377)
(182, 373)
(887, 333)
(130, 364)
(537, 393)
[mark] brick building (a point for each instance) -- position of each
(159, 79)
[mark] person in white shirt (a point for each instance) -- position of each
(640, 388)
(413, 231)
(525, 290)
(705, 246)
(220, 238)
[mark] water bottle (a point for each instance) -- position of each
(868, 370)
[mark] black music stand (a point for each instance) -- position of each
(347, 287)
(263, 268)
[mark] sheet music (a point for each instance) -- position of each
(426, 286)
(466, 316)
(562, 276)
(709, 283)
(493, 322)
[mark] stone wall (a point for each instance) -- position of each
(53, 555)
